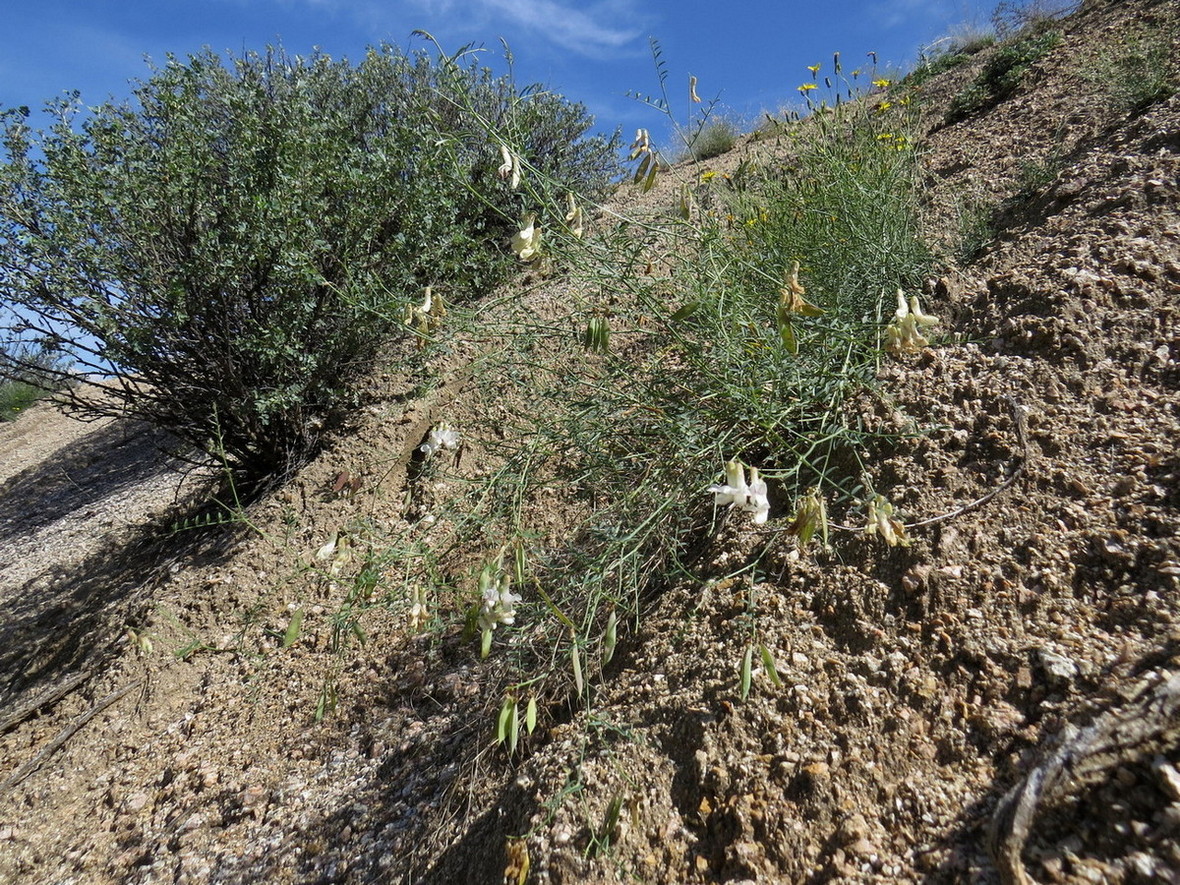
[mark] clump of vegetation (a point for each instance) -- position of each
(716, 137)
(947, 55)
(237, 245)
(721, 349)
(27, 374)
(1002, 74)
(1014, 16)
(1137, 70)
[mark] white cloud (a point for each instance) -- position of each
(603, 29)
(589, 32)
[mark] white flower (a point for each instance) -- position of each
(526, 242)
(499, 603)
(510, 167)
(904, 334)
(641, 145)
(419, 613)
(441, 437)
(750, 497)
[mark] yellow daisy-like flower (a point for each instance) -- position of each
(814, 69)
(881, 82)
(807, 87)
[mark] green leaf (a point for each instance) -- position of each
(650, 181)
(609, 640)
(485, 643)
(768, 663)
(502, 720)
(576, 661)
(530, 714)
(292, 634)
(513, 727)
(747, 671)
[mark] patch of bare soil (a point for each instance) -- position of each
(999, 701)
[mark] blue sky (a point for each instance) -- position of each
(752, 56)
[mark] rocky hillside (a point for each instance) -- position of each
(998, 701)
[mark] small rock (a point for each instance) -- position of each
(1059, 671)
(863, 848)
(137, 802)
(1169, 777)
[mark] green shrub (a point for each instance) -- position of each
(1137, 71)
(237, 245)
(1002, 73)
(1015, 16)
(27, 374)
(716, 137)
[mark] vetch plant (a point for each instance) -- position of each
(790, 304)
(425, 319)
(641, 150)
(573, 216)
(497, 603)
(811, 513)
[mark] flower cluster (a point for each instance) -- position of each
(441, 437)
(419, 613)
(511, 166)
(883, 523)
(750, 497)
(427, 317)
(641, 149)
(904, 334)
(791, 303)
(498, 602)
(526, 242)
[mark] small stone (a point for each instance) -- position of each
(137, 802)
(1169, 777)
(1060, 671)
(863, 848)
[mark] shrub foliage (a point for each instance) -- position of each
(237, 243)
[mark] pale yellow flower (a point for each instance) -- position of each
(573, 218)
(427, 317)
(526, 242)
(510, 166)
(692, 90)
(883, 523)
(750, 497)
(904, 334)
(641, 145)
